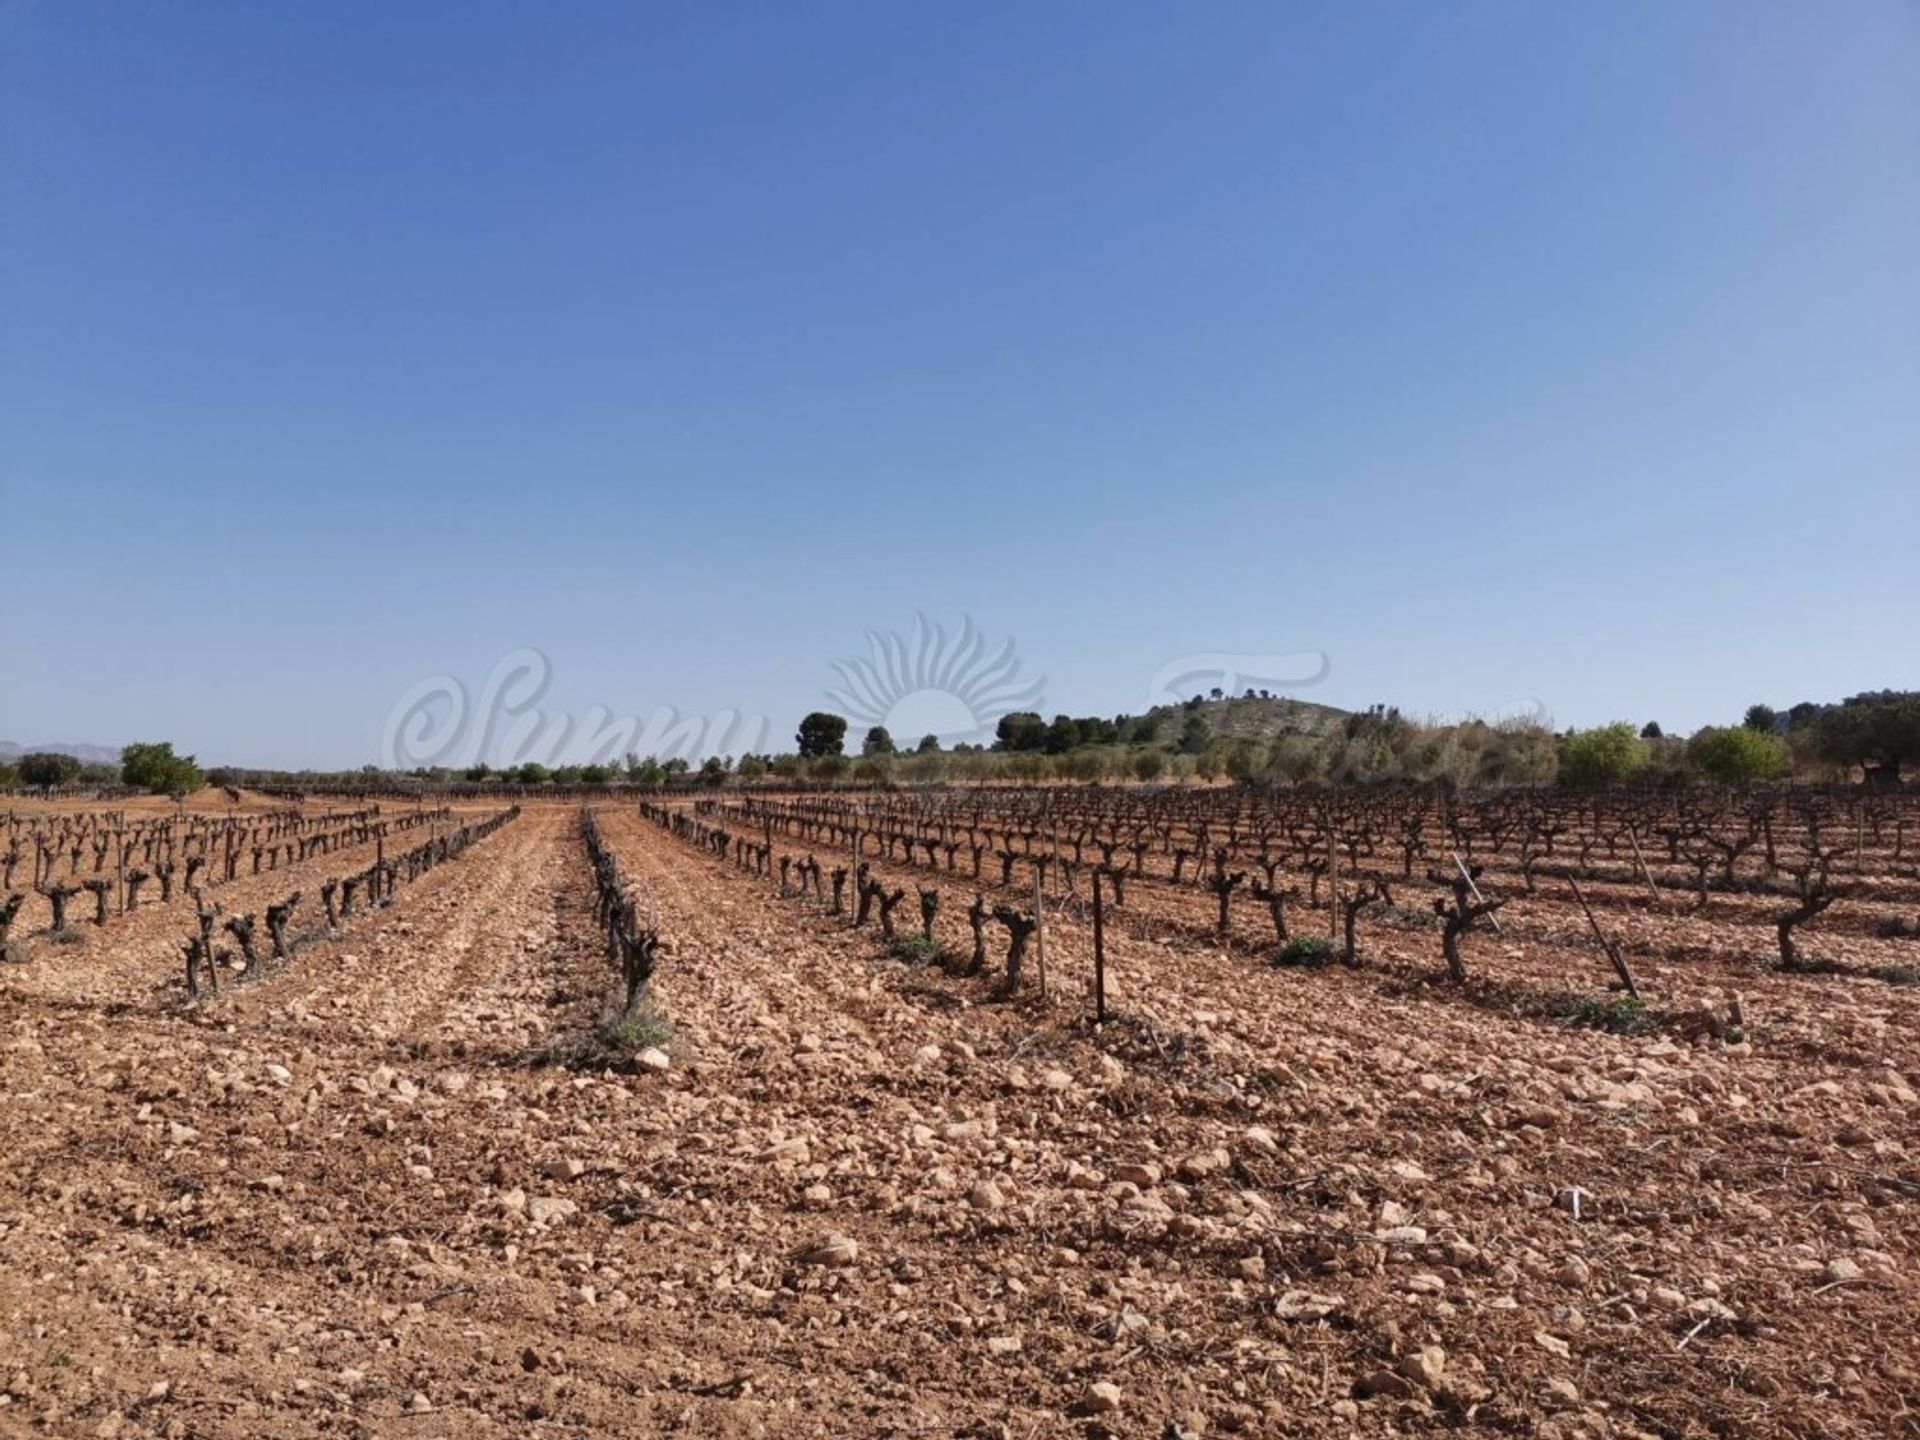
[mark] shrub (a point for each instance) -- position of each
(1616, 1014)
(916, 950)
(635, 1031)
(1307, 952)
(1605, 755)
(1737, 756)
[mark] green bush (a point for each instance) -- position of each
(917, 950)
(1606, 755)
(1307, 952)
(1736, 756)
(1616, 1014)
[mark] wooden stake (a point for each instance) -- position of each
(1099, 955)
(1333, 887)
(1613, 951)
(1645, 873)
(1040, 931)
(1467, 875)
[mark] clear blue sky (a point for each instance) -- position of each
(1563, 351)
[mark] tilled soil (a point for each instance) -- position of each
(360, 1196)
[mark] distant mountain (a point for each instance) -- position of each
(85, 754)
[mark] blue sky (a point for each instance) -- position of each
(1507, 352)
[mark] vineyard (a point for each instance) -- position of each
(1008, 1111)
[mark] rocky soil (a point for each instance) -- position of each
(377, 1192)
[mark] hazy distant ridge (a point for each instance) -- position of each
(86, 754)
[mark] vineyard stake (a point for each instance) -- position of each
(1333, 887)
(1467, 875)
(1633, 838)
(1613, 952)
(1040, 932)
(1099, 957)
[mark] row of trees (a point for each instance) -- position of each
(148, 765)
(1875, 734)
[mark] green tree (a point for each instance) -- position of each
(1878, 730)
(1763, 718)
(1735, 756)
(152, 766)
(1020, 730)
(1194, 734)
(822, 733)
(1062, 735)
(1147, 764)
(878, 741)
(477, 773)
(1605, 755)
(46, 768)
(533, 773)
(1652, 731)
(928, 745)
(9, 779)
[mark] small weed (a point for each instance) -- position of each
(1307, 952)
(1616, 1014)
(917, 950)
(72, 935)
(645, 1028)
(1897, 974)
(1408, 917)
